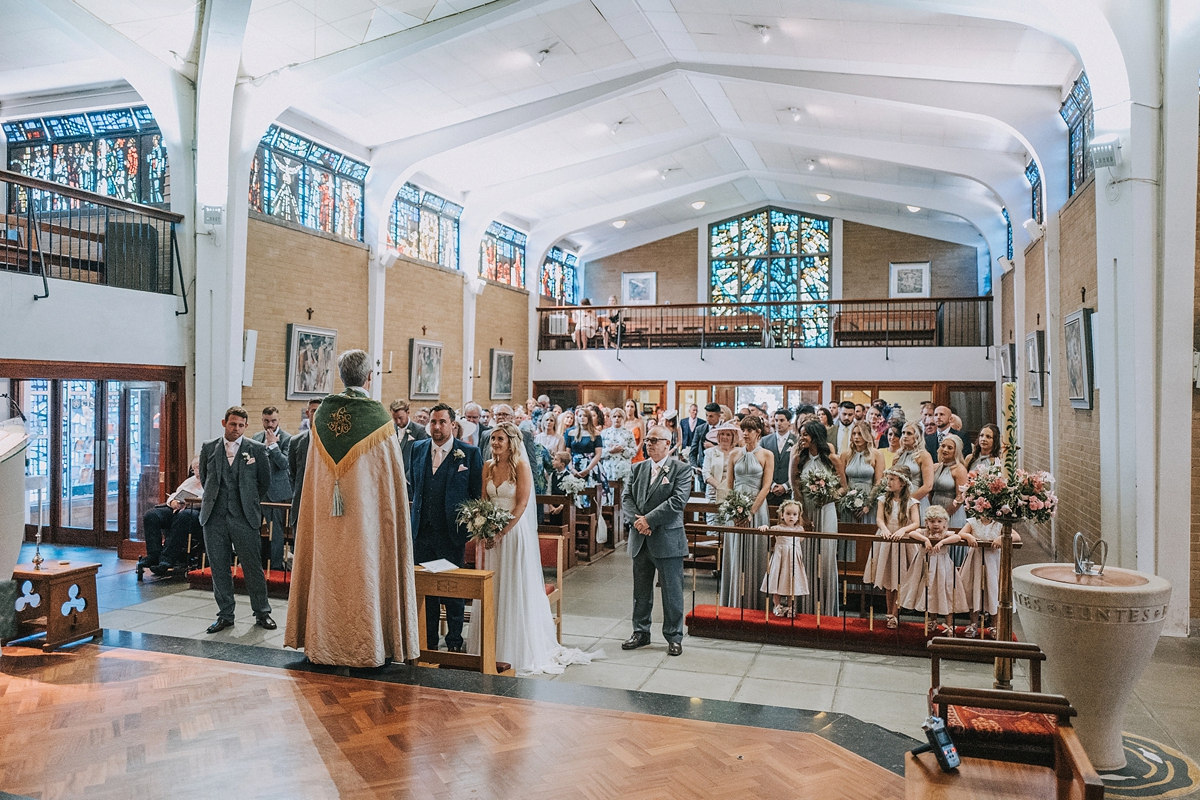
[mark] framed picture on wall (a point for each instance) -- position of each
(910, 279)
(311, 361)
(1035, 373)
(424, 369)
(502, 374)
(639, 288)
(1077, 333)
(1008, 362)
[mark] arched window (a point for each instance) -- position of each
(502, 255)
(1034, 176)
(425, 226)
(774, 255)
(298, 180)
(558, 281)
(118, 153)
(1008, 225)
(1077, 112)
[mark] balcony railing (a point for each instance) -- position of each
(57, 231)
(935, 322)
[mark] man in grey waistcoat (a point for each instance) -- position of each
(278, 444)
(236, 475)
(653, 501)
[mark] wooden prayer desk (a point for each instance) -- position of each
(469, 584)
(58, 599)
(976, 778)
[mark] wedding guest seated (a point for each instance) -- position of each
(165, 527)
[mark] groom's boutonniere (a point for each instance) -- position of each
(246, 457)
(458, 453)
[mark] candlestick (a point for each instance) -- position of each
(37, 551)
(871, 619)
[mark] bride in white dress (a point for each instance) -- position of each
(525, 633)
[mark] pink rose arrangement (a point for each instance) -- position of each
(1029, 496)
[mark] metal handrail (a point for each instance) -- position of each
(17, 178)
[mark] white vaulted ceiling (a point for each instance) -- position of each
(880, 104)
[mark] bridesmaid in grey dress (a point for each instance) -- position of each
(948, 475)
(812, 454)
(745, 558)
(920, 464)
(986, 453)
(864, 469)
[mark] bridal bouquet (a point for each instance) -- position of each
(736, 507)
(1029, 495)
(483, 519)
(856, 501)
(821, 487)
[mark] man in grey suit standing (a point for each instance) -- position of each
(236, 476)
(298, 460)
(278, 444)
(780, 443)
(653, 501)
(407, 431)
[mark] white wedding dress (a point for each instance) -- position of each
(525, 634)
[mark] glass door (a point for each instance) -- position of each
(112, 457)
(78, 436)
(35, 402)
(144, 443)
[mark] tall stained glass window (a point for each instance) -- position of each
(1034, 176)
(117, 152)
(558, 279)
(425, 226)
(298, 180)
(774, 256)
(502, 255)
(1077, 112)
(1008, 226)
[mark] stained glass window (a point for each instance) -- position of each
(117, 152)
(424, 225)
(1034, 176)
(558, 279)
(1077, 112)
(774, 256)
(1008, 225)
(502, 255)
(298, 180)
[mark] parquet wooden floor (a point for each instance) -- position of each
(132, 724)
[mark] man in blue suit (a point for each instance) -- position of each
(446, 472)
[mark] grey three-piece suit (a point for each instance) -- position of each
(280, 491)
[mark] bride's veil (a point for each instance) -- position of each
(516, 438)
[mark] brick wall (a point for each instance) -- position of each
(1078, 440)
(287, 272)
(1036, 425)
(867, 253)
(419, 297)
(1008, 308)
(674, 259)
(502, 322)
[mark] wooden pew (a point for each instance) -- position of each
(880, 327)
(552, 550)
(704, 550)
(586, 523)
(616, 519)
(565, 528)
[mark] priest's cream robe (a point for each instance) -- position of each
(352, 601)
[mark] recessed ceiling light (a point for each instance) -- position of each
(665, 172)
(795, 112)
(616, 126)
(764, 32)
(543, 54)
(914, 209)
(823, 197)
(811, 164)
(699, 204)
(619, 224)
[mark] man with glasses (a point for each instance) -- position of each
(653, 501)
(500, 414)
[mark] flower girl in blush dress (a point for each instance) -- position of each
(935, 587)
(785, 576)
(890, 563)
(980, 573)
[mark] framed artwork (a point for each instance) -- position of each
(639, 288)
(502, 374)
(909, 279)
(1077, 331)
(1008, 362)
(424, 369)
(311, 361)
(1035, 373)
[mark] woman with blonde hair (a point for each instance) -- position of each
(746, 556)
(890, 564)
(920, 464)
(949, 474)
(525, 633)
(549, 437)
(864, 468)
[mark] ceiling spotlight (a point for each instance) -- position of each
(914, 209)
(542, 56)
(699, 204)
(795, 112)
(810, 164)
(823, 197)
(764, 32)
(616, 126)
(619, 224)
(662, 175)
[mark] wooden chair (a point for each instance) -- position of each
(552, 550)
(850, 572)
(615, 517)
(565, 528)
(586, 522)
(1027, 727)
(704, 549)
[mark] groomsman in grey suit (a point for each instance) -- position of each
(407, 431)
(236, 476)
(780, 443)
(653, 501)
(298, 461)
(278, 444)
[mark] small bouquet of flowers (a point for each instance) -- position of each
(821, 487)
(991, 495)
(483, 519)
(736, 507)
(855, 502)
(572, 485)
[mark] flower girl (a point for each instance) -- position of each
(785, 576)
(891, 561)
(980, 573)
(935, 587)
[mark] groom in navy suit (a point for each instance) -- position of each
(446, 472)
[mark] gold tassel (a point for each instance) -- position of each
(338, 506)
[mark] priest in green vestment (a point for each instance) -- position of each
(353, 601)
